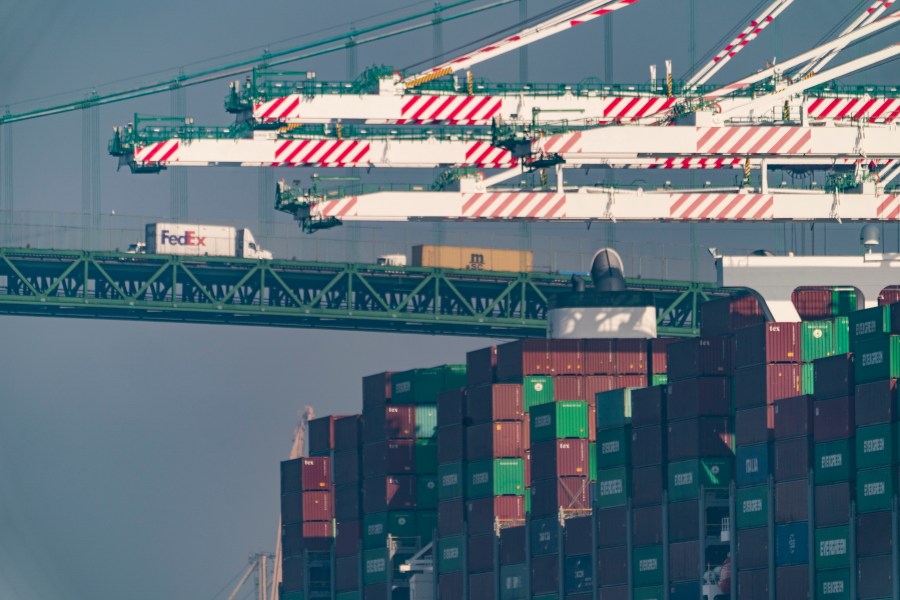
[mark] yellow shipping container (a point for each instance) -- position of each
(473, 259)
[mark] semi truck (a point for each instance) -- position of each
(199, 240)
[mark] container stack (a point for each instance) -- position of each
(307, 535)
(514, 577)
(815, 303)
(450, 549)
(876, 369)
(347, 477)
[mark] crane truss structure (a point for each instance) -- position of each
(339, 296)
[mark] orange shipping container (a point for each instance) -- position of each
(472, 259)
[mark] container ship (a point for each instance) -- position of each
(757, 461)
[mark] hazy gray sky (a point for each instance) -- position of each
(141, 460)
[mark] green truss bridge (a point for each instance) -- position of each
(108, 285)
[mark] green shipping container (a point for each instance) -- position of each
(877, 359)
(527, 500)
(817, 340)
(426, 421)
(613, 408)
(807, 379)
(834, 461)
(869, 324)
(842, 335)
(426, 524)
(537, 389)
(653, 592)
(290, 596)
(592, 461)
(397, 523)
(833, 585)
(375, 565)
(422, 386)
(662, 379)
(833, 548)
(647, 566)
(686, 477)
(752, 507)
(613, 487)
(451, 554)
(426, 491)
(513, 582)
(454, 377)
(613, 447)
(499, 477)
(843, 301)
(875, 489)
(875, 446)
(559, 420)
(450, 480)
(426, 455)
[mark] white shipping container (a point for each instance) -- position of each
(191, 240)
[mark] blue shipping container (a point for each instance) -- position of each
(752, 464)
(792, 544)
(686, 590)
(545, 536)
(579, 574)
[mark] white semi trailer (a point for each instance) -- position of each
(200, 240)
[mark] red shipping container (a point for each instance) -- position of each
(502, 439)
(497, 402)
(566, 357)
(793, 458)
(481, 366)
(451, 407)
(766, 383)
(321, 435)
(873, 533)
(587, 387)
(579, 536)
(376, 390)
(517, 359)
(313, 530)
(793, 417)
(875, 577)
(481, 585)
(648, 446)
(705, 437)
(512, 545)
(833, 376)
(889, 295)
(631, 356)
(701, 396)
(347, 467)
(647, 525)
(592, 424)
(813, 303)
(767, 343)
(316, 473)
(834, 419)
(401, 457)
(876, 403)
(347, 541)
(348, 433)
(480, 553)
(599, 357)
(658, 351)
(833, 504)
(684, 521)
(400, 421)
(647, 485)
(612, 566)
(626, 381)
(792, 501)
(611, 527)
(569, 388)
(570, 493)
(318, 506)
(481, 513)
(394, 492)
(726, 315)
(451, 515)
(346, 573)
(753, 425)
(699, 357)
(560, 458)
(752, 550)
(792, 582)
(348, 501)
(451, 443)
(545, 574)
(450, 585)
(648, 406)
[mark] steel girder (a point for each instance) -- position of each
(106, 285)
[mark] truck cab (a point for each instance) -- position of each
(391, 260)
(249, 247)
(137, 248)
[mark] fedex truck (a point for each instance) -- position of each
(202, 240)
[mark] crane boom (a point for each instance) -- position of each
(582, 14)
(750, 33)
(872, 13)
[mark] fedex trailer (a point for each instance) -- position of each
(202, 240)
